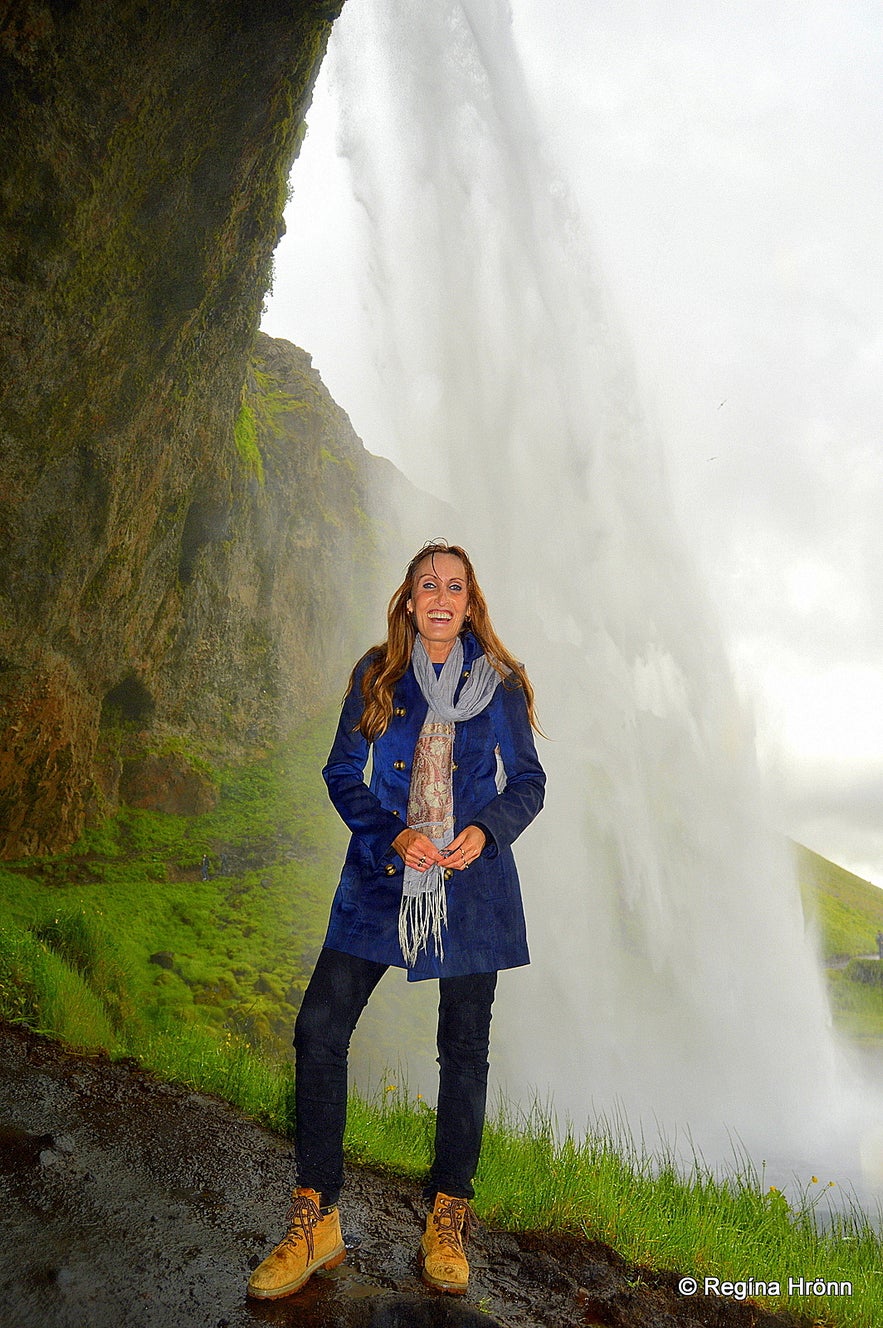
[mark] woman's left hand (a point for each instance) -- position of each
(463, 850)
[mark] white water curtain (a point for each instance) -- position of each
(671, 974)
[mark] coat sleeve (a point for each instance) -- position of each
(344, 773)
(512, 810)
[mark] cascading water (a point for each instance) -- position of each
(671, 976)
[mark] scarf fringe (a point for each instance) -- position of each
(422, 916)
(423, 912)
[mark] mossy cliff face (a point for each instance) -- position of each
(145, 152)
(284, 580)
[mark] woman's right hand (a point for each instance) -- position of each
(416, 851)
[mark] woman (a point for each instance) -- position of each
(429, 883)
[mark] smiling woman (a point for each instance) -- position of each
(446, 713)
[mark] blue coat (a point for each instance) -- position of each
(485, 928)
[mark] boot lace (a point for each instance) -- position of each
(454, 1222)
(302, 1217)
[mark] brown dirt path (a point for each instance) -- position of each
(129, 1203)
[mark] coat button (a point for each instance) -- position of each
(398, 765)
(400, 711)
(390, 869)
(394, 812)
(465, 673)
(453, 765)
(448, 873)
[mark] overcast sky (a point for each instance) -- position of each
(727, 162)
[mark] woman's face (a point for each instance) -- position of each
(439, 603)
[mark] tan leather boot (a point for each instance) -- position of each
(442, 1256)
(313, 1241)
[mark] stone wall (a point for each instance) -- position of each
(146, 152)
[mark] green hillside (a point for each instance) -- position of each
(846, 914)
(847, 911)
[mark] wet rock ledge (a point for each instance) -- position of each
(131, 1203)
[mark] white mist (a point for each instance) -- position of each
(671, 978)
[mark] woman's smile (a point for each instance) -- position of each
(439, 602)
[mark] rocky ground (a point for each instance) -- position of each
(130, 1203)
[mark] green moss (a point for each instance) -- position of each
(245, 434)
(273, 407)
(243, 942)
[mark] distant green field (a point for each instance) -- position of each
(845, 913)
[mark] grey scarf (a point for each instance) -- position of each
(423, 910)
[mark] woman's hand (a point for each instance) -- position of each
(416, 851)
(462, 851)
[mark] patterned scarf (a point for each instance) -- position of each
(423, 912)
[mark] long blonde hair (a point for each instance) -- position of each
(390, 660)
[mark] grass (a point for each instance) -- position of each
(119, 944)
(224, 1065)
(45, 985)
(40, 989)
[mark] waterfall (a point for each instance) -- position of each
(672, 979)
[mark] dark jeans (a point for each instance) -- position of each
(336, 996)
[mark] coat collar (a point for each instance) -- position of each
(471, 648)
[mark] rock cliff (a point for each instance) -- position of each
(173, 497)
